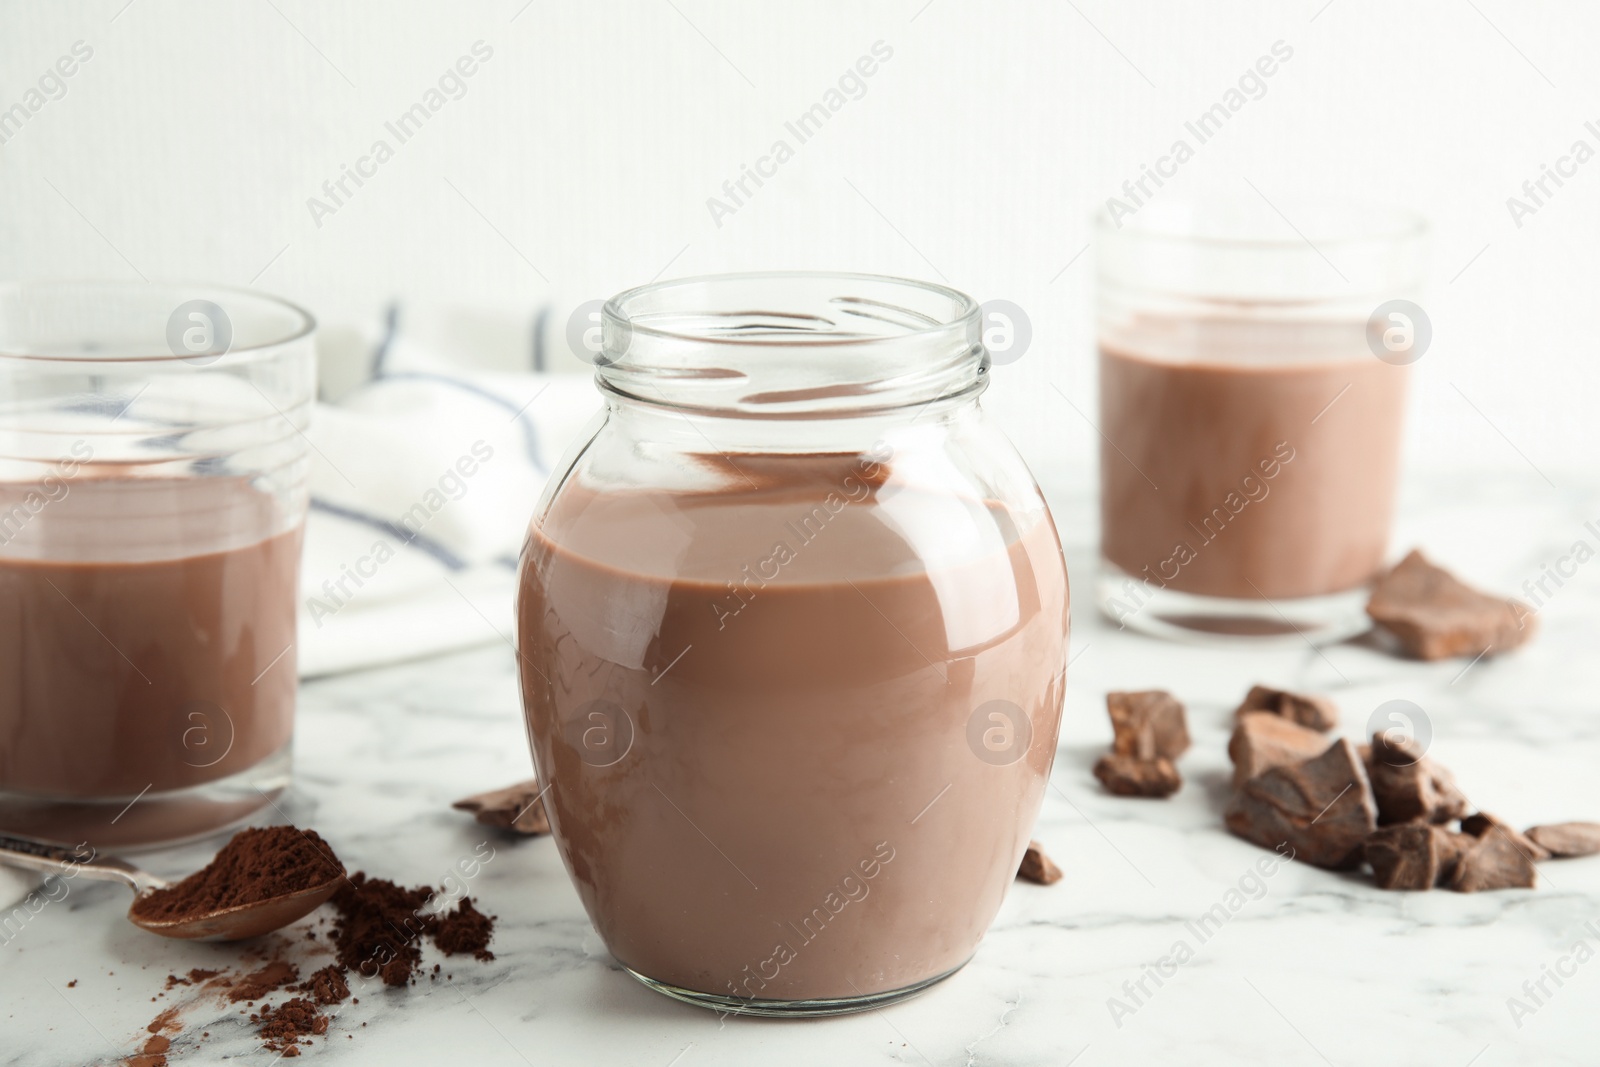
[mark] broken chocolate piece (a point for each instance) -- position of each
(1435, 615)
(1264, 740)
(1322, 807)
(1128, 776)
(1147, 724)
(1452, 846)
(1037, 867)
(1493, 861)
(1312, 712)
(1485, 825)
(1566, 839)
(1407, 786)
(516, 808)
(1405, 856)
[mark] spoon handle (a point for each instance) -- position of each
(79, 859)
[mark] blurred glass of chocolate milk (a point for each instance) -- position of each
(1253, 366)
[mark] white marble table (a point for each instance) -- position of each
(1322, 968)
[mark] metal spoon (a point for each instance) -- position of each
(224, 924)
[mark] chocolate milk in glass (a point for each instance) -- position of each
(1253, 459)
(1251, 409)
(147, 628)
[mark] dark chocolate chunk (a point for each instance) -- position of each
(1405, 856)
(1565, 839)
(1263, 740)
(1435, 615)
(1147, 724)
(1493, 861)
(1485, 825)
(1037, 867)
(1407, 786)
(516, 808)
(1312, 712)
(1128, 776)
(1322, 807)
(1452, 846)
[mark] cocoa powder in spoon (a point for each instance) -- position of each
(259, 863)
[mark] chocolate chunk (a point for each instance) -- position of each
(1493, 861)
(1321, 807)
(1485, 825)
(1128, 776)
(1564, 839)
(1316, 713)
(1263, 740)
(1405, 856)
(1407, 786)
(1036, 866)
(1147, 724)
(1415, 855)
(1452, 846)
(516, 808)
(1435, 615)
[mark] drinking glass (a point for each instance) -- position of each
(153, 492)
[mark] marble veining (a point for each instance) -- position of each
(1312, 968)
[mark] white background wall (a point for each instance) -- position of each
(580, 159)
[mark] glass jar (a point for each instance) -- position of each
(792, 622)
(1253, 376)
(153, 490)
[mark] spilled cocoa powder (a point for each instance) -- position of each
(153, 1053)
(378, 933)
(283, 1029)
(259, 863)
(381, 926)
(327, 986)
(167, 1021)
(466, 930)
(257, 984)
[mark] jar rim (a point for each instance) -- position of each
(301, 324)
(791, 344)
(615, 308)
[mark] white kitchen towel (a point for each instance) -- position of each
(423, 481)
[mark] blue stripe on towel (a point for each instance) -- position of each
(391, 328)
(530, 434)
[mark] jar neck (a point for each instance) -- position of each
(668, 430)
(793, 347)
